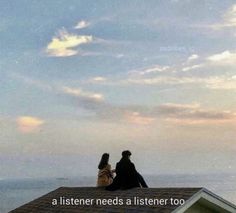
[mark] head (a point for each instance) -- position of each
(104, 161)
(126, 154)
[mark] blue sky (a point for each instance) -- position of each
(79, 78)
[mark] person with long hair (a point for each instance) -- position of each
(105, 174)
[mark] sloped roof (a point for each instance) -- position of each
(210, 201)
(44, 203)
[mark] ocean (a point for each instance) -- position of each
(16, 192)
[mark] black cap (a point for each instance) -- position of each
(126, 153)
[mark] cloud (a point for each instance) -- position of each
(149, 70)
(193, 57)
(193, 67)
(154, 69)
(230, 17)
(120, 55)
(99, 79)
(96, 104)
(28, 124)
(77, 92)
(228, 20)
(223, 58)
(175, 73)
(143, 115)
(173, 108)
(136, 118)
(169, 112)
(164, 80)
(101, 109)
(223, 83)
(82, 24)
(193, 114)
(166, 69)
(64, 43)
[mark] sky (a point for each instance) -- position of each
(80, 78)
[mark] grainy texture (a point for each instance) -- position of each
(44, 203)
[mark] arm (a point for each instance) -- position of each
(133, 169)
(109, 170)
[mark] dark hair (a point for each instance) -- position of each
(126, 154)
(103, 161)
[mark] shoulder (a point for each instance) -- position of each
(117, 165)
(132, 164)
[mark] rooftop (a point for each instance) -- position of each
(44, 203)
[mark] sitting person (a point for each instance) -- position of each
(105, 174)
(126, 175)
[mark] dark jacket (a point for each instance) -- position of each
(126, 176)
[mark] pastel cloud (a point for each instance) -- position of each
(77, 92)
(137, 118)
(189, 113)
(101, 109)
(225, 83)
(222, 82)
(223, 58)
(149, 70)
(175, 74)
(82, 24)
(143, 115)
(98, 79)
(229, 19)
(193, 114)
(64, 44)
(154, 69)
(193, 57)
(193, 67)
(163, 80)
(29, 124)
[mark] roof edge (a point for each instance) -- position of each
(218, 197)
(209, 196)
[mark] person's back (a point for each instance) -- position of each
(126, 175)
(105, 176)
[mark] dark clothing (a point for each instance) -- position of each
(126, 176)
(142, 181)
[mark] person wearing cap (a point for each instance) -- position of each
(126, 175)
